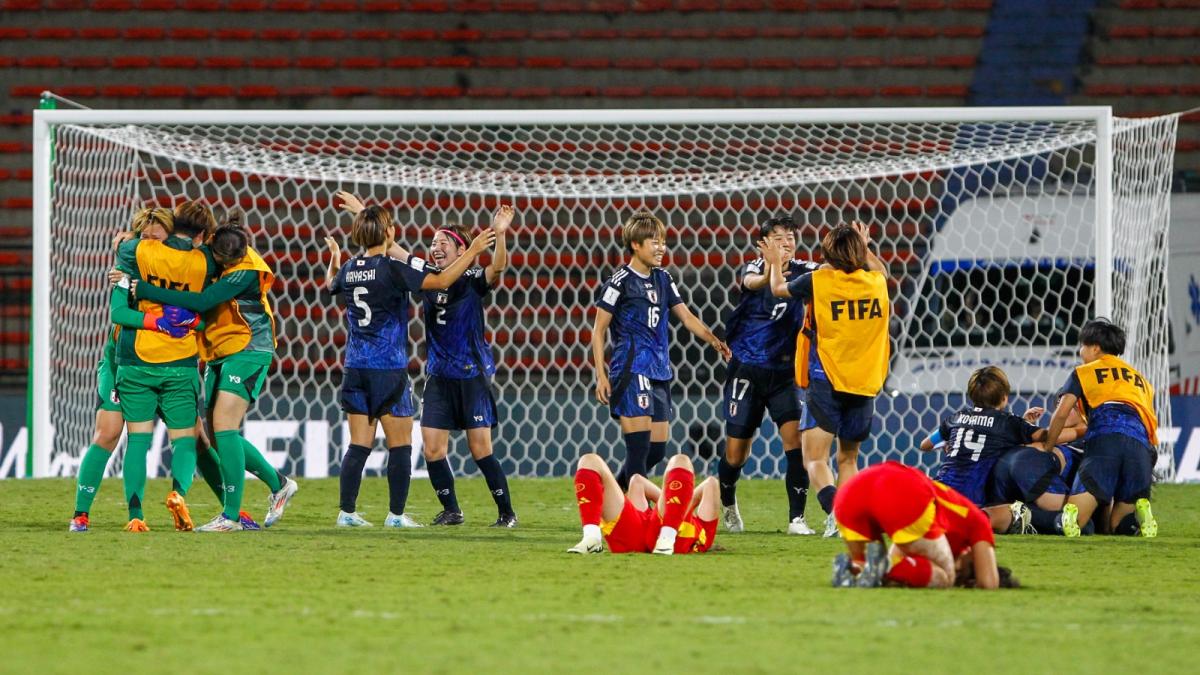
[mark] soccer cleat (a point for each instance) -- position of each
(399, 521)
(665, 544)
(352, 520)
(508, 520)
(1070, 521)
(79, 523)
(247, 522)
(588, 545)
(1145, 517)
(278, 501)
(179, 511)
(448, 518)
(876, 567)
(221, 524)
(843, 575)
(799, 526)
(732, 517)
(1021, 519)
(136, 525)
(831, 528)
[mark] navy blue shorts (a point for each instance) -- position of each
(846, 416)
(1022, 475)
(1115, 467)
(375, 393)
(458, 404)
(1061, 485)
(751, 390)
(640, 396)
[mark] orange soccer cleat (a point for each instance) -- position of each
(137, 525)
(179, 511)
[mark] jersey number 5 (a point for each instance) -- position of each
(359, 293)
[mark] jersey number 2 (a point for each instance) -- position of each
(359, 293)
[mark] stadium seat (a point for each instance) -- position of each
(166, 91)
(257, 91)
(279, 34)
(131, 62)
(189, 33)
(86, 62)
(241, 34)
(223, 62)
(121, 91)
(270, 63)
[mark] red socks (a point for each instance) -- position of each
(677, 493)
(589, 492)
(913, 571)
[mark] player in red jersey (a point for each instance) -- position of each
(936, 533)
(679, 518)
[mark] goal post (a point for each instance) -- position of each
(980, 211)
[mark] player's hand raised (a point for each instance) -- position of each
(863, 230)
(502, 219)
(771, 253)
(350, 203)
(482, 242)
(603, 388)
(335, 251)
(1034, 414)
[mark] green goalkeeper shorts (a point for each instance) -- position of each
(106, 386)
(169, 392)
(242, 374)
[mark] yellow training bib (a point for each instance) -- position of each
(177, 270)
(1110, 379)
(850, 313)
(227, 331)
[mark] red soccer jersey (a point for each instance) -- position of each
(964, 523)
(890, 499)
(637, 531)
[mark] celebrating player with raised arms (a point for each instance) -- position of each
(679, 518)
(933, 530)
(238, 346)
(152, 224)
(157, 373)
(374, 289)
(1122, 430)
(842, 354)
(633, 305)
(762, 336)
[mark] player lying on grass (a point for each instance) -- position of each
(761, 332)
(1122, 430)
(1037, 479)
(238, 346)
(374, 288)
(842, 355)
(633, 305)
(933, 532)
(975, 438)
(459, 366)
(679, 518)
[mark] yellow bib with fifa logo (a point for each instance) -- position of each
(227, 331)
(1110, 379)
(177, 270)
(849, 314)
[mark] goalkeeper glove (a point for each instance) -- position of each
(178, 316)
(160, 324)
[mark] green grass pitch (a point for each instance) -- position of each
(305, 597)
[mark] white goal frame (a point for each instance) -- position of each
(44, 122)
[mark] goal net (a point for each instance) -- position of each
(1004, 229)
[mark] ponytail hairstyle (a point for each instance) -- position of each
(230, 241)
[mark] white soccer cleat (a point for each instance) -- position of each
(278, 501)
(221, 524)
(732, 518)
(352, 520)
(799, 526)
(831, 528)
(588, 545)
(1021, 519)
(665, 544)
(400, 521)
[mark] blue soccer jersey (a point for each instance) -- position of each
(976, 438)
(639, 306)
(761, 330)
(375, 291)
(454, 329)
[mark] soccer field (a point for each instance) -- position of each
(307, 597)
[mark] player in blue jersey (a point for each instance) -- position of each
(458, 371)
(762, 336)
(374, 289)
(636, 384)
(975, 438)
(1038, 479)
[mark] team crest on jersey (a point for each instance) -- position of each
(652, 296)
(441, 298)
(643, 400)
(360, 262)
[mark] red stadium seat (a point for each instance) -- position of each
(624, 92)
(39, 62)
(166, 91)
(98, 33)
(680, 64)
(713, 91)
(532, 92)
(1116, 60)
(462, 35)
(916, 32)
(270, 62)
(762, 92)
(212, 91)
(441, 92)
(316, 62)
(643, 33)
(669, 91)
(862, 62)
(817, 63)
(963, 31)
(257, 91)
(86, 62)
(223, 62)
(490, 92)
(870, 32)
(1106, 90)
(634, 64)
(178, 62)
(499, 62)
(853, 92)
(826, 32)
(395, 92)
(735, 33)
(589, 63)
(111, 5)
(121, 91)
(1152, 90)
(200, 5)
(450, 61)
(963, 61)
(597, 34)
(947, 90)
(326, 34)
(416, 35)
(772, 63)
(54, 33)
(553, 62)
(242, 34)
(349, 91)
(1132, 32)
(189, 33)
(727, 64)
(577, 92)
(371, 34)
(554, 35)
(807, 92)
(280, 34)
(246, 5)
(900, 91)
(907, 61)
(361, 62)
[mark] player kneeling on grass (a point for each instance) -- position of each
(680, 518)
(1118, 458)
(762, 336)
(976, 438)
(238, 347)
(934, 531)
(842, 352)
(374, 289)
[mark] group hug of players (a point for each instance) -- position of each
(807, 343)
